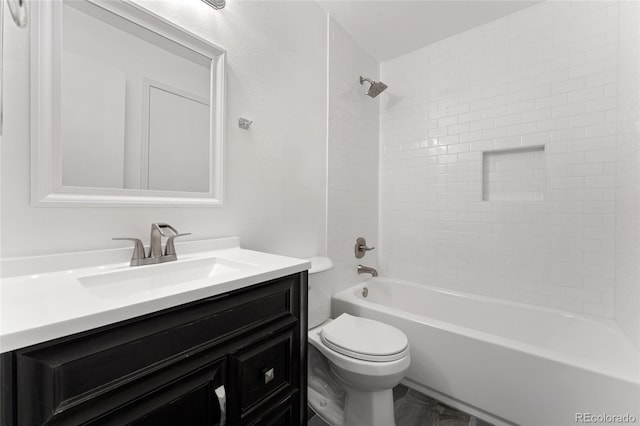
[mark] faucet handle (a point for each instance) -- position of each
(138, 247)
(170, 248)
(361, 248)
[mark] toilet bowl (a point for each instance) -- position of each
(354, 363)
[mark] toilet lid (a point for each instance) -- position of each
(365, 339)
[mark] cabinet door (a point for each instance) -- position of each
(282, 418)
(281, 414)
(196, 399)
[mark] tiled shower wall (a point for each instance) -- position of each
(543, 80)
(352, 173)
(627, 289)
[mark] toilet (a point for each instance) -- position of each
(353, 362)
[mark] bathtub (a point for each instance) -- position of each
(506, 362)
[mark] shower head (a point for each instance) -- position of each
(376, 87)
(216, 4)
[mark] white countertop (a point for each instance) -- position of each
(47, 297)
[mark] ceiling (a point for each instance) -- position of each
(391, 28)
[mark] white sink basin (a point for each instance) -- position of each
(154, 278)
(47, 297)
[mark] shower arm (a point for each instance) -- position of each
(368, 80)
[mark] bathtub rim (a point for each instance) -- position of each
(350, 295)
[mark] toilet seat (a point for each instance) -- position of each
(364, 339)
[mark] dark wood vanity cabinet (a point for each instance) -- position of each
(234, 359)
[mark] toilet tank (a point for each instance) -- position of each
(320, 290)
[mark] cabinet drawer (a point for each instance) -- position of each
(264, 371)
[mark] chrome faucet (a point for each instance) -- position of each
(155, 251)
(367, 270)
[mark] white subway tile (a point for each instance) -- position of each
(568, 134)
(554, 124)
(550, 77)
(482, 124)
(508, 142)
(604, 104)
(586, 69)
(584, 295)
(536, 92)
(602, 78)
(481, 145)
(537, 116)
(591, 144)
(457, 148)
(536, 139)
(586, 94)
(547, 76)
(458, 128)
(519, 107)
(438, 113)
(523, 128)
(437, 132)
(568, 182)
(611, 89)
(551, 101)
(600, 156)
(448, 102)
(495, 133)
(470, 116)
(494, 112)
(447, 121)
(567, 110)
(447, 159)
(569, 85)
(458, 109)
(448, 140)
(438, 150)
(555, 148)
(508, 120)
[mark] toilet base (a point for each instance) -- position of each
(364, 408)
(331, 411)
(360, 408)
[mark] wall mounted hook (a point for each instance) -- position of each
(244, 124)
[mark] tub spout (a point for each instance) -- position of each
(367, 270)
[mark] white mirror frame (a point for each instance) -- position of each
(46, 153)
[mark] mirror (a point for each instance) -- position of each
(127, 108)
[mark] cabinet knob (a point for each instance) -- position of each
(269, 375)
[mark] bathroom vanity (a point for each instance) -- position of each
(229, 348)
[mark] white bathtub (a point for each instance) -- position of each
(504, 361)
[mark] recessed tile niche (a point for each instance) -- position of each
(513, 174)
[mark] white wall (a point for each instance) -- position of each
(627, 288)
(275, 185)
(352, 193)
(545, 76)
